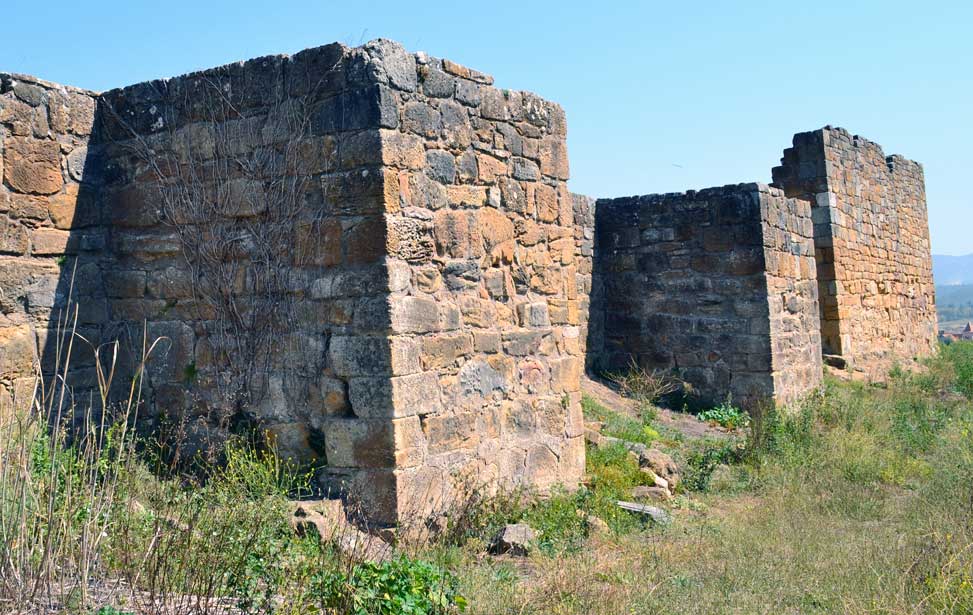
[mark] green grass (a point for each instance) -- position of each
(859, 501)
(618, 425)
(79, 515)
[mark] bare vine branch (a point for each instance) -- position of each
(233, 187)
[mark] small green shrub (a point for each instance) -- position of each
(614, 473)
(704, 457)
(960, 356)
(559, 525)
(402, 585)
(917, 421)
(726, 414)
(787, 438)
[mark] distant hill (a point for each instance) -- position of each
(952, 270)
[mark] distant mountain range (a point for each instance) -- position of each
(952, 270)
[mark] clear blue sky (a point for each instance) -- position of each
(715, 88)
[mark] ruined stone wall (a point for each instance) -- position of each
(714, 285)
(317, 391)
(432, 327)
(485, 285)
(44, 133)
(434, 288)
(584, 251)
(792, 294)
(872, 245)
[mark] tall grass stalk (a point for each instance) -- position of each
(60, 469)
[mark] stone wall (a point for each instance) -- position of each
(485, 285)
(872, 245)
(44, 133)
(716, 285)
(792, 294)
(584, 250)
(425, 295)
(372, 257)
(284, 153)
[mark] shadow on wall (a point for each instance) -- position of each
(209, 226)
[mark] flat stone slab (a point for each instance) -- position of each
(655, 513)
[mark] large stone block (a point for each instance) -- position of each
(17, 351)
(13, 237)
(359, 443)
(32, 166)
(414, 315)
(445, 350)
(398, 396)
(351, 356)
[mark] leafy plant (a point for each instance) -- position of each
(960, 356)
(399, 586)
(703, 459)
(614, 473)
(726, 415)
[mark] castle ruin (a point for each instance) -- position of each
(373, 257)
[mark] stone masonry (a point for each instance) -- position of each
(717, 286)
(436, 326)
(47, 205)
(391, 239)
(872, 246)
(481, 254)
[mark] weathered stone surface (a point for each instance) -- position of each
(655, 493)
(661, 464)
(77, 160)
(327, 521)
(441, 166)
(17, 351)
(50, 242)
(13, 237)
(72, 208)
(871, 238)
(414, 315)
(445, 350)
(359, 443)
(357, 356)
(398, 396)
(514, 539)
(702, 304)
(402, 150)
(397, 64)
(658, 515)
(32, 166)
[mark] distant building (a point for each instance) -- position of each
(966, 334)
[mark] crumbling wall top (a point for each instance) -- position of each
(703, 195)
